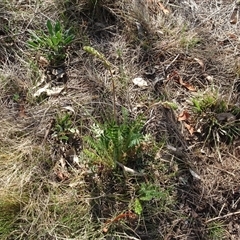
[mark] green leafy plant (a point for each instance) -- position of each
(63, 127)
(53, 44)
(112, 142)
(148, 192)
(190, 42)
(215, 131)
(219, 121)
(187, 40)
(16, 97)
(138, 207)
(209, 102)
(215, 231)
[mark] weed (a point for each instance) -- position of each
(114, 142)
(53, 45)
(149, 192)
(209, 101)
(16, 97)
(63, 127)
(188, 41)
(216, 131)
(218, 120)
(138, 207)
(216, 231)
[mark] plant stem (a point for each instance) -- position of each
(114, 96)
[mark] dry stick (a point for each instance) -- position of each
(171, 62)
(233, 85)
(220, 217)
(114, 95)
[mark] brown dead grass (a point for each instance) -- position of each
(51, 200)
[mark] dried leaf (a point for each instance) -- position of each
(105, 230)
(234, 16)
(62, 162)
(54, 91)
(209, 78)
(121, 216)
(69, 108)
(189, 128)
(49, 92)
(176, 77)
(61, 176)
(130, 170)
(128, 215)
(195, 175)
(75, 159)
(187, 85)
(41, 90)
(183, 116)
(200, 62)
(140, 82)
(43, 62)
(164, 9)
(22, 113)
(233, 36)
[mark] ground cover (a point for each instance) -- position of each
(119, 119)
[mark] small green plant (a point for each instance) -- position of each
(138, 206)
(216, 231)
(112, 142)
(148, 192)
(16, 97)
(54, 44)
(209, 102)
(63, 127)
(216, 131)
(186, 40)
(218, 119)
(190, 43)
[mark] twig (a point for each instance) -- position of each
(114, 95)
(171, 62)
(221, 217)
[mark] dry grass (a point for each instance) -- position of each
(44, 194)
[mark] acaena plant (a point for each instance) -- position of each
(113, 143)
(52, 45)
